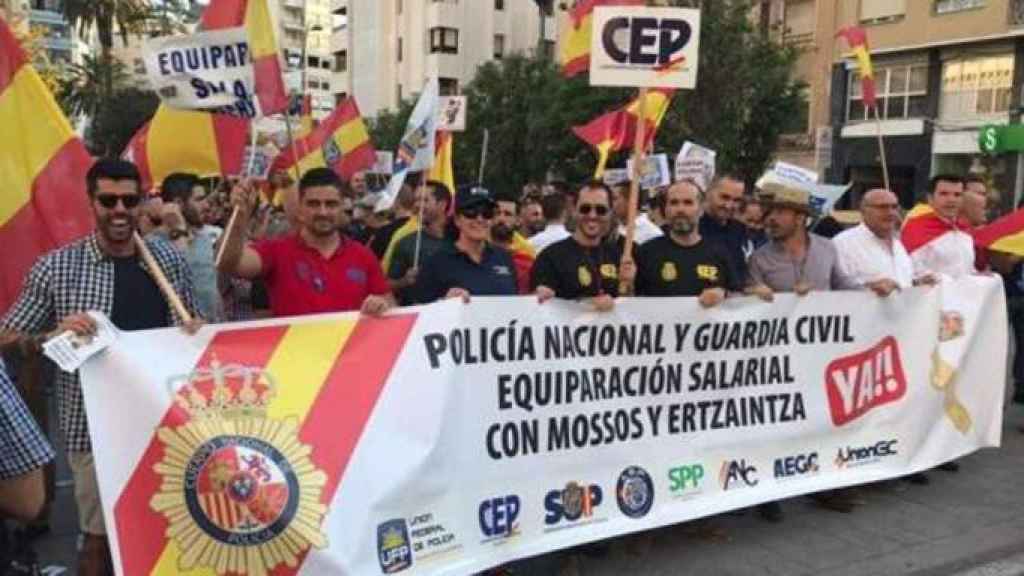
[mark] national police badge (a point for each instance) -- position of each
(332, 153)
(238, 489)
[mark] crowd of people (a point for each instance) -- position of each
(234, 251)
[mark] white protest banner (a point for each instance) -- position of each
(638, 46)
(823, 196)
(655, 171)
(451, 438)
(696, 163)
(203, 71)
(615, 176)
(385, 162)
(452, 114)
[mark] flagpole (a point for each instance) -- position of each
(419, 227)
(634, 185)
(161, 279)
(230, 227)
(881, 150)
(483, 157)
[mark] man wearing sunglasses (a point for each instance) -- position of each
(316, 269)
(471, 266)
(584, 266)
(100, 272)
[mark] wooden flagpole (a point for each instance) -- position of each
(419, 227)
(161, 279)
(881, 149)
(634, 185)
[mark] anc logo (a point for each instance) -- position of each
(669, 272)
(707, 272)
(584, 276)
(238, 488)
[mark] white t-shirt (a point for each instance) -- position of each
(645, 229)
(865, 257)
(553, 233)
(950, 255)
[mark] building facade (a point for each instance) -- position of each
(385, 50)
(304, 28)
(943, 70)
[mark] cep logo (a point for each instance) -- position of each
(572, 503)
(649, 41)
(498, 517)
(801, 465)
(859, 383)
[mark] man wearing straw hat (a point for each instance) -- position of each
(138, 284)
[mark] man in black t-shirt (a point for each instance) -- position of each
(584, 265)
(682, 263)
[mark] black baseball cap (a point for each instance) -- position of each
(469, 197)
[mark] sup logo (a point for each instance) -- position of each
(635, 492)
(393, 547)
(737, 474)
(572, 503)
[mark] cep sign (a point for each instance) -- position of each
(637, 46)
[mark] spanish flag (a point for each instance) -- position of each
(857, 38)
(616, 130)
(924, 225)
(1003, 235)
(255, 16)
(43, 200)
(574, 55)
(188, 141)
(442, 170)
(341, 142)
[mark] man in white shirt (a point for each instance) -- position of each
(645, 229)
(554, 204)
(871, 253)
(937, 242)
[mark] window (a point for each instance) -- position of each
(448, 86)
(948, 6)
(499, 46)
(978, 86)
(314, 61)
(341, 61)
(325, 64)
(444, 40)
(399, 48)
(312, 83)
(881, 10)
(325, 85)
(499, 5)
(902, 92)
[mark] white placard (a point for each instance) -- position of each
(204, 71)
(385, 163)
(451, 116)
(638, 46)
(696, 163)
(655, 171)
(69, 350)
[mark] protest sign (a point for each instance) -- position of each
(823, 196)
(451, 114)
(655, 171)
(644, 47)
(204, 71)
(615, 176)
(385, 163)
(696, 163)
(451, 438)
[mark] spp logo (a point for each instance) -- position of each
(393, 547)
(859, 456)
(635, 492)
(737, 474)
(682, 479)
(862, 382)
(800, 465)
(498, 517)
(572, 503)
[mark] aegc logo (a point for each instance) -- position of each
(498, 517)
(800, 465)
(572, 503)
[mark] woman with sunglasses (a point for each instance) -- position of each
(584, 266)
(470, 266)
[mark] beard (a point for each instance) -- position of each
(682, 226)
(502, 233)
(322, 227)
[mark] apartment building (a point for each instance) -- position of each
(943, 69)
(60, 41)
(384, 50)
(304, 27)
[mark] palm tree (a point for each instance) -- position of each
(86, 87)
(127, 17)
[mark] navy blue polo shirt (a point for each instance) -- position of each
(495, 275)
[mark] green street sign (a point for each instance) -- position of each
(1001, 139)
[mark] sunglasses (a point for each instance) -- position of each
(109, 201)
(473, 213)
(586, 209)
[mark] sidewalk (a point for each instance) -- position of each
(969, 523)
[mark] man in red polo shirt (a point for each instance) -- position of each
(315, 270)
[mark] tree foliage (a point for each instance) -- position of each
(745, 96)
(113, 127)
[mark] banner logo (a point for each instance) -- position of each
(635, 492)
(851, 457)
(859, 383)
(685, 480)
(737, 474)
(572, 503)
(393, 547)
(234, 479)
(800, 465)
(498, 517)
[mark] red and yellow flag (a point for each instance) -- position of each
(857, 38)
(923, 225)
(334, 372)
(574, 55)
(341, 142)
(186, 141)
(616, 130)
(1003, 235)
(305, 117)
(43, 200)
(255, 16)
(442, 170)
